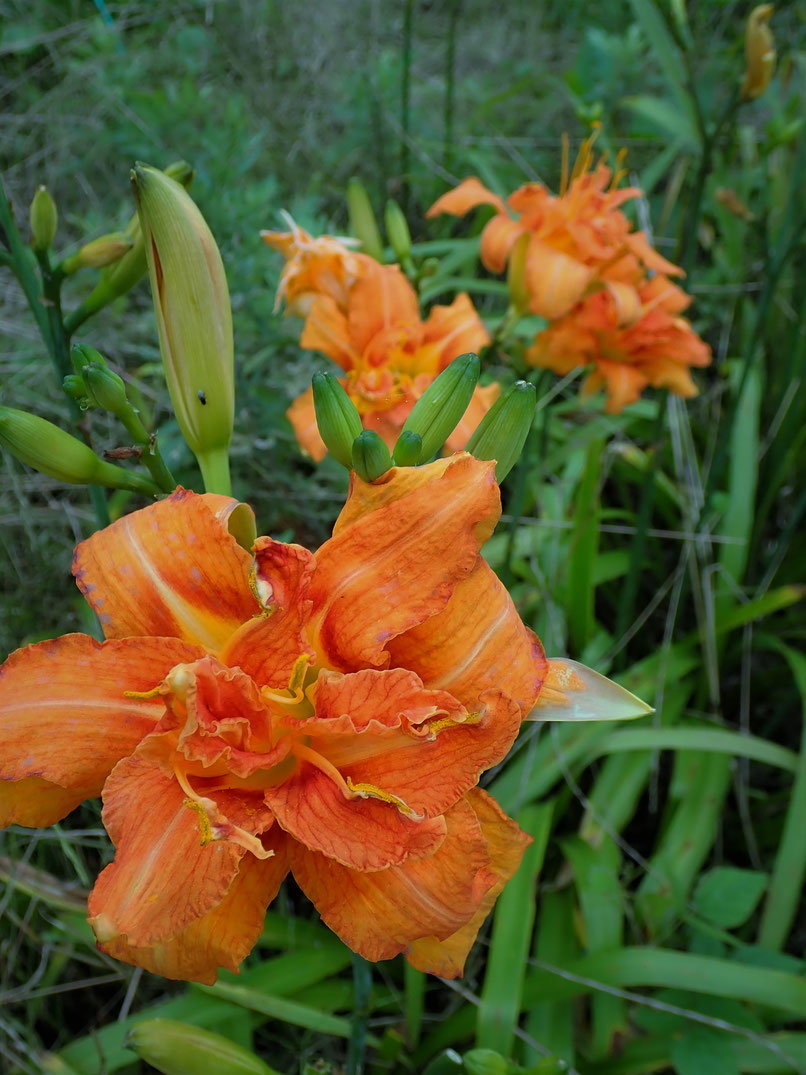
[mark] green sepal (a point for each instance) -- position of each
(439, 409)
(408, 449)
(370, 456)
(503, 430)
(336, 416)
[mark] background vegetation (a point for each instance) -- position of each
(657, 923)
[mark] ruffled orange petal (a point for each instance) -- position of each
(222, 937)
(409, 555)
(640, 246)
(455, 329)
(170, 569)
(497, 239)
(480, 402)
(167, 872)
(362, 833)
(380, 914)
(470, 193)
(302, 416)
(624, 384)
(326, 330)
(384, 730)
(66, 720)
(506, 843)
(379, 300)
(555, 281)
(268, 647)
(477, 642)
(365, 497)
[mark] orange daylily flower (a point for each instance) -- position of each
(389, 355)
(314, 266)
(657, 349)
(577, 240)
(252, 713)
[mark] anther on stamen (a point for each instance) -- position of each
(144, 696)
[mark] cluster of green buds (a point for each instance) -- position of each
(500, 435)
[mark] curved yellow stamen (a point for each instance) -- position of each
(144, 696)
(210, 831)
(351, 790)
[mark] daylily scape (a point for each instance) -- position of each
(258, 709)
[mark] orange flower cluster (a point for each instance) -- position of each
(255, 713)
(365, 316)
(604, 289)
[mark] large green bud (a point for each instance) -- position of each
(44, 219)
(194, 320)
(502, 432)
(439, 409)
(176, 1048)
(337, 418)
(363, 224)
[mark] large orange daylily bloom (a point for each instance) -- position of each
(252, 713)
(657, 349)
(389, 355)
(578, 240)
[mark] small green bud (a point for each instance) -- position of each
(44, 219)
(438, 411)
(371, 457)
(98, 253)
(408, 450)
(447, 1063)
(336, 416)
(502, 432)
(106, 388)
(74, 387)
(485, 1062)
(176, 1048)
(48, 449)
(397, 229)
(363, 224)
(429, 267)
(81, 355)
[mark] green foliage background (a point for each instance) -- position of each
(658, 923)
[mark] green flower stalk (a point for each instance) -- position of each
(194, 320)
(48, 449)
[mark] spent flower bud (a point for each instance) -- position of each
(363, 224)
(371, 457)
(759, 47)
(48, 449)
(336, 416)
(502, 432)
(439, 409)
(194, 320)
(98, 253)
(176, 1048)
(408, 449)
(44, 219)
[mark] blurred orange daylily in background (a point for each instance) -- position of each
(365, 316)
(577, 240)
(657, 349)
(251, 714)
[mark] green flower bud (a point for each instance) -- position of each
(48, 449)
(74, 387)
(438, 411)
(502, 432)
(191, 301)
(362, 220)
(176, 1048)
(371, 457)
(408, 450)
(448, 1062)
(397, 230)
(516, 274)
(81, 355)
(429, 267)
(336, 416)
(106, 388)
(485, 1062)
(44, 219)
(98, 253)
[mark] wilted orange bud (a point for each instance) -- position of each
(759, 48)
(731, 201)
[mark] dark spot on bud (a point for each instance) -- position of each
(202, 398)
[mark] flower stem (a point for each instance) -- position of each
(214, 465)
